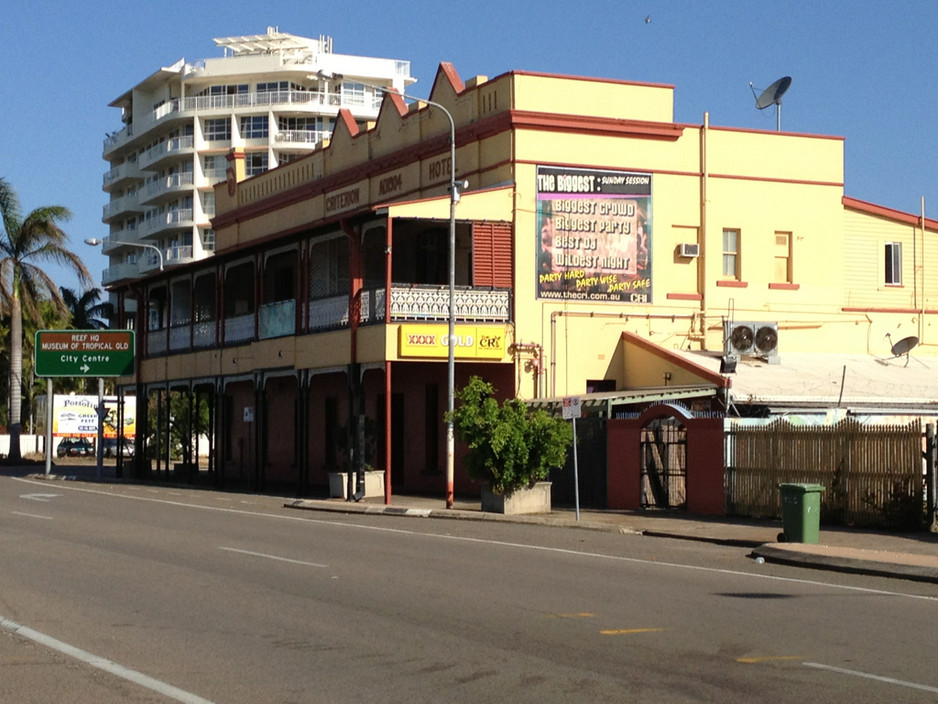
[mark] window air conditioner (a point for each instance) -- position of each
(690, 249)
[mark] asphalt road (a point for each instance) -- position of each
(123, 593)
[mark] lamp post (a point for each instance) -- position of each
(94, 242)
(453, 200)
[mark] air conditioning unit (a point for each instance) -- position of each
(690, 249)
(754, 339)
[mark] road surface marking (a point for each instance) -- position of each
(867, 675)
(271, 557)
(39, 497)
(630, 631)
(584, 614)
(126, 673)
(769, 658)
(501, 543)
(30, 515)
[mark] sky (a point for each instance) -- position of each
(863, 70)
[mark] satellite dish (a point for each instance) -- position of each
(904, 346)
(773, 96)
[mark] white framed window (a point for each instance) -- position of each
(255, 163)
(731, 241)
(893, 264)
(783, 259)
(218, 129)
(208, 240)
(254, 126)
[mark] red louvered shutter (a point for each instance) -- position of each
(492, 254)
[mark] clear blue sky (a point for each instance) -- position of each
(861, 69)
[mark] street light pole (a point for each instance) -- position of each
(451, 358)
(94, 242)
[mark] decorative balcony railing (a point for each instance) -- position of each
(179, 337)
(156, 342)
(240, 328)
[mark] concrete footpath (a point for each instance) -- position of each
(901, 555)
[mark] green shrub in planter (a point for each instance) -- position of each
(509, 447)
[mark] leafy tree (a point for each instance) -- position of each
(24, 243)
(508, 447)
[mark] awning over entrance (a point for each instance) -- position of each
(607, 403)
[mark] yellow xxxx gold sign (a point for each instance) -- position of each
(469, 341)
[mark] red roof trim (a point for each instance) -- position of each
(884, 212)
(676, 359)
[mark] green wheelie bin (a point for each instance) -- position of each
(801, 512)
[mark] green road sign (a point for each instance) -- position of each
(84, 353)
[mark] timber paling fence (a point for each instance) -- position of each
(873, 474)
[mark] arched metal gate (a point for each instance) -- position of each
(664, 465)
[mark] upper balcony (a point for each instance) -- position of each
(296, 101)
(300, 139)
(166, 188)
(165, 152)
(119, 175)
(181, 219)
(121, 206)
(277, 319)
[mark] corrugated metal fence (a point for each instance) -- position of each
(873, 474)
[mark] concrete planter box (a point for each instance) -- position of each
(530, 499)
(338, 481)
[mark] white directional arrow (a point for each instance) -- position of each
(84, 368)
(39, 497)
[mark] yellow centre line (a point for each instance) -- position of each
(584, 614)
(629, 631)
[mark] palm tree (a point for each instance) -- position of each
(87, 312)
(24, 242)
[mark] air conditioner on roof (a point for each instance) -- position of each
(754, 339)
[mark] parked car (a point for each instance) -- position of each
(110, 447)
(75, 447)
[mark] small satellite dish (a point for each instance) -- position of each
(773, 96)
(904, 346)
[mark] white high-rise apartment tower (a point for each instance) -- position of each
(262, 96)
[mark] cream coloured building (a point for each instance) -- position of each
(263, 96)
(602, 250)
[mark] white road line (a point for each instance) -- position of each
(501, 543)
(866, 675)
(126, 673)
(272, 557)
(30, 515)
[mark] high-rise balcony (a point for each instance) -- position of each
(300, 101)
(121, 206)
(180, 219)
(161, 189)
(164, 152)
(121, 174)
